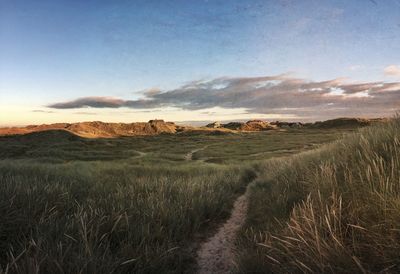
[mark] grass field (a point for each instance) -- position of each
(123, 205)
(330, 210)
(61, 146)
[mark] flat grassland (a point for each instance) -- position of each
(134, 204)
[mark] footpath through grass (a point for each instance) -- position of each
(335, 209)
(104, 218)
(124, 205)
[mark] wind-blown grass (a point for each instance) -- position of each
(124, 205)
(103, 218)
(335, 209)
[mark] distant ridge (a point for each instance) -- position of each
(259, 125)
(99, 129)
(347, 122)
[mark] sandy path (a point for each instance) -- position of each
(216, 255)
(189, 155)
(140, 154)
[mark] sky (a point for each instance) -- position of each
(203, 60)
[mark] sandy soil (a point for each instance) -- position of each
(216, 254)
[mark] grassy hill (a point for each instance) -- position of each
(335, 209)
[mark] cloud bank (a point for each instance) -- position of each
(281, 94)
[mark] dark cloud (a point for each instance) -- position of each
(270, 94)
(94, 102)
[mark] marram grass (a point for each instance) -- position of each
(331, 210)
(103, 218)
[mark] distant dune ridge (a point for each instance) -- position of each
(99, 129)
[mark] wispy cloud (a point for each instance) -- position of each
(281, 94)
(356, 67)
(392, 70)
(42, 111)
(85, 113)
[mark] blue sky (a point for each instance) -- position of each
(60, 51)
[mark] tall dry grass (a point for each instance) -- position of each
(108, 218)
(332, 210)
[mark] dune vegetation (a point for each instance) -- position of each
(104, 218)
(126, 205)
(334, 209)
